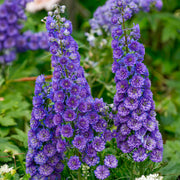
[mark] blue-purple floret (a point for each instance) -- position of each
(102, 172)
(111, 161)
(135, 119)
(74, 163)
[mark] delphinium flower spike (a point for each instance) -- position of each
(70, 118)
(104, 18)
(137, 127)
(12, 40)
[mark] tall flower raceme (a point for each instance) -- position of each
(101, 20)
(68, 127)
(11, 39)
(137, 127)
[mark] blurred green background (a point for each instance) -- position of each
(160, 33)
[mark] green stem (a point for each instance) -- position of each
(141, 168)
(124, 28)
(3, 72)
(79, 174)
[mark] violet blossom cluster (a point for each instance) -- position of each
(11, 40)
(101, 20)
(65, 117)
(42, 159)
(32, 41)
(137, 127)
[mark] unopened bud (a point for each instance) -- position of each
(63, 8)
(50, 13)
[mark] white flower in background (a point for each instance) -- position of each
(91, 38)
(37, 5)
(5, 169)
(150, 177)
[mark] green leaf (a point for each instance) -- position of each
(8, 146)
(4, 158)
(168, 33)
(4, 131)
(172, 156)
(21, 136)
(7, 121)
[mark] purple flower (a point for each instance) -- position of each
(134, 93)
(139, 115)
(98, 104)
(107, 135)
(59, 107)
(75, 90)
(52, 161)
(40, 158)
(149, 143)
(59, 96)
(72, 102)
(124, 129)
(59, 167)
(139, 154)
(117, 53)
(156, 155)
(125, 148)
(91, 152)
(31, 170)
(61, 145)
(34, 142)
(100, 126)
(117, 31)
(137, 81)
(134, 46)
(145, 104)
(82, 107)
(69, 115)
(44, 135)
(122, 73)
(133, 141)
(110, 161)
(101, 172)
(122, 86)
(67, 131)
(141, 68)
(130, 60)
(63, 60)
(45, 170)
(66, 83)
(83, 124)
(91, 161)
(93, 117)
(74, 163)
(79, 142)
(98, 144)
(88, 135)
(122, 110)
(49, 121)
(134, 124)
(57, 119)
(49, 150)
(150, 125)
(130, 103)
(39, 113)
